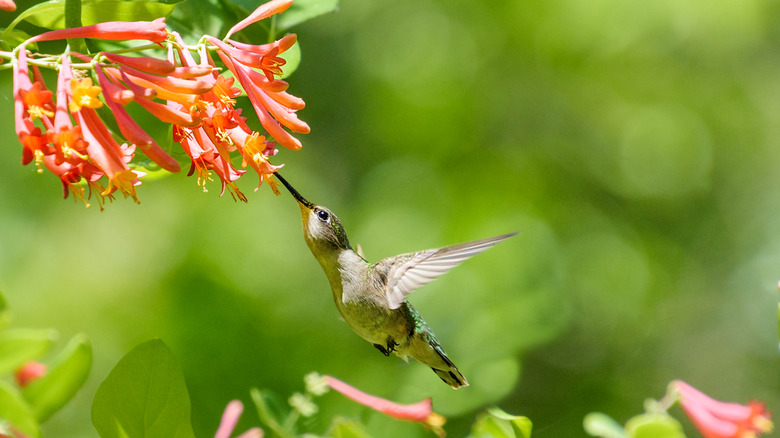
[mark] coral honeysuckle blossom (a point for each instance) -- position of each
(420, 412)
(64, 133)
(716, 419)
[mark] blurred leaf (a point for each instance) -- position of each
(303, 10)
(65, 376)
(14, 410)
(654, 426)
(263, 402)
(17, 346)
(12, 38)
(146, 383)
(497, 423)
(344, 428)
(51, 14)
(602, 425)
(293, 58)
(210, 17)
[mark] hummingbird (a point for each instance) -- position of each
(371, 297)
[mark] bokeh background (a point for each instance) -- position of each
(634, 144)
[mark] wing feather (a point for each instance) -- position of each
(408, 272)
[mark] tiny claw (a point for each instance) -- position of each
(391, 344)
(382, 349)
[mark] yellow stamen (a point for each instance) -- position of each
(38, 159)
(37, 112)
(68, 152)
(123, 181)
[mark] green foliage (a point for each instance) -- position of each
(18, 346)
(495, 423)
(16, 412)
(602, 425)
(24, 409)
(51, 14)
(293, 58)
(304, 10)
(345, 428)
(270, 413)
(654, 426)
(66, 374)
(144, 395)
(650, 425)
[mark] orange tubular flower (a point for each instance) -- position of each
(84, 94)
(109, 156)
(143, 63)
(111, 30)
(262, 12)
(421, 412)
(31, 101)
(135, 134)
(259, 99)
(37, 101)
(34, 146)
(716, 419)
(66, 135)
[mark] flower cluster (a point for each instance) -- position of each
(66, 135)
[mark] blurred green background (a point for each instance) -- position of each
(634, 144)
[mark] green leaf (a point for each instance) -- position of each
(147, 384)
(304, 10)
(344, 428)
(654, 426)
(496, 423)
(9, 39)
(293, 58)
(18, 346)
(65, 376)
(16, 411)
(268, 416)
(51, 14)
(602, 425)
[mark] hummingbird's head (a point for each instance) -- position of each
(321, 228)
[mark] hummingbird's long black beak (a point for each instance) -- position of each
(294, 192)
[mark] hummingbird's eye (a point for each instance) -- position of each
(323, 215)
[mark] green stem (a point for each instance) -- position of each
(289, 422)
(73, 19)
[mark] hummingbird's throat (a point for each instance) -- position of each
(305, 210)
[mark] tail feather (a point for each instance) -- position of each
(452, 377)
(425, 348)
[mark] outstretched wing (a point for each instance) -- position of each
(408, 272)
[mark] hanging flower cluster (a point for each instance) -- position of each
(65, 134)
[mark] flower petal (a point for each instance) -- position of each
(418, 412)
(111, 30)
(263, 11)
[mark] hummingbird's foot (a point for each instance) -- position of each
(382, 349)
(391, 344)
(389, 348)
